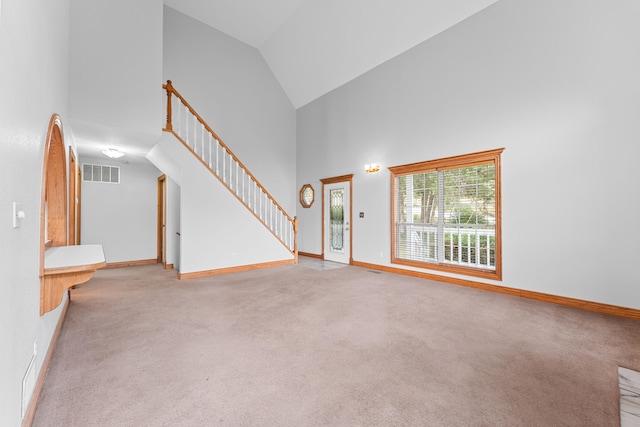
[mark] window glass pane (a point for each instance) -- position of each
(336, 216)
(469, 216)
(469, 195)
(446, 214)
(417, 213)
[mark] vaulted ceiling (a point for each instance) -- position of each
(315, 46)
(311, 46)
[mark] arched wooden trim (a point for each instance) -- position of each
(56, 188)
(66, 266)
(53, 198)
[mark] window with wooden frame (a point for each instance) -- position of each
(446, 214)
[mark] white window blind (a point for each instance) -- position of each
(446, 214)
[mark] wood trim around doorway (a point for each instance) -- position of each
(162, 229)
(73, 198)
(335, 180)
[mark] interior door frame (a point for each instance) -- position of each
(336, 180)
(162, 219)
(79, 208)
(73, 198)
(53, 197)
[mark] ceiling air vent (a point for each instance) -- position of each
(101, 173)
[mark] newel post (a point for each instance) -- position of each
(295, 238)
(169, 88)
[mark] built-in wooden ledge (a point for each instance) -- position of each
(64, 267)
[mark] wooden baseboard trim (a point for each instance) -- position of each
(168, 266)
(307, 254)
(131, 263)
(237, 269)
(30, 414)
(597, 307)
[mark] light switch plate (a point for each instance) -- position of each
(18, 214)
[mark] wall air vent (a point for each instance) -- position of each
(101, 173)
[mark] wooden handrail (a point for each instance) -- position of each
(169, 128)
(171, 90)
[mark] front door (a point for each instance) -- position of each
(337, 222)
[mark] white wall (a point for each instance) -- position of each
(555, 83)
(122, 217)
(216, 230)
(231, 87)
(33, 83)
(116, 63)
(172, 251)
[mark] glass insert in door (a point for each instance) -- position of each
(336, 216)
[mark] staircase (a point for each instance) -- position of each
(212, 155)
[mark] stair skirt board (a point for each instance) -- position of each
(237, 269)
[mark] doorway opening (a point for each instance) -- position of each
(162, 220)
(74, 190)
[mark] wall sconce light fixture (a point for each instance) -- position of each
(373, 167)
(113, 153)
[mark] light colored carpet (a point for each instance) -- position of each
(300, 346)
(320, 265)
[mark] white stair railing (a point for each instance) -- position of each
(196, 135)
(473, 246)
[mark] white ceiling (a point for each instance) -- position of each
(312, 46)
(250, 21)
(315, 46)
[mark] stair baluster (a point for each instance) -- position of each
(245, 186)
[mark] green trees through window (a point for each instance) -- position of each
(447, 214)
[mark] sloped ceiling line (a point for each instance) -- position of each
(315, 46)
